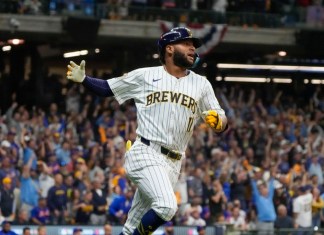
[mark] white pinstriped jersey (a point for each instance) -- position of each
(167, 107)
(302, 206)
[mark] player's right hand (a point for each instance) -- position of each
(75, 72)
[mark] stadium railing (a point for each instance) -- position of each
(178, 230)
(107, 11)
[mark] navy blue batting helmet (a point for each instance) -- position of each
(175, 35)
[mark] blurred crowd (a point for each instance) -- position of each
(232, 12)
(63, 164)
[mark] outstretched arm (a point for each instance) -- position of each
(76, 73)
(98, 86)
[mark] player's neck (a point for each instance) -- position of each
(176, 71)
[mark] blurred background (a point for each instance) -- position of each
(265, 59)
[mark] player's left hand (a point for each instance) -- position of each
(75, 72)
(128, 145)
(213, 119)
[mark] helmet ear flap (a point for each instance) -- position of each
(197, 60)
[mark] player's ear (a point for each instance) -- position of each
(169, 49)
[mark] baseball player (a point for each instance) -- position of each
(169, 100)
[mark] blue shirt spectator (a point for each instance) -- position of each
(264, 201)
(28, 152)
(29, 146)
(6, 229)
(29, 187)
(63, 153)
(40, 214)
(120, 206)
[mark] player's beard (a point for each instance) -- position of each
(180, 60)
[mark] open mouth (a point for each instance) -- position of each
(191, 56)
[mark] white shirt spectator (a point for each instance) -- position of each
(220, 6)
(32, 7)
(45, 183)
(302, 207)
(194, 219)
(237, 222)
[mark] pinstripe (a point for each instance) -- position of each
(164, 121)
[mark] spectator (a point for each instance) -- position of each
(79, 182)
(220, 6)
(63, 153)
(281, 194)
(46, 181)
(314, 183)
(6, 229)
(317, 208)
(188, 208)
(194, 218)
(40, 215)
(237, 204)
(77, 231)
(32, 7)
(107, 229)
(7, 200)
(84, 209)
(4, 148)
(8, 170)
(28, 144)
(168, 228)
(237, 220)
(22, 218)
(13, 117)
(194, 184)
(68, 184)
(283, 221)
(315, 14)
(251, 220)
(26, 231)
(302, 208)
(263, 197)
(217, 199)
(9, 148)
(41, 230)
(238, 185)
(98, 216)
(221, 163)
(201, 230)
(29, 187)
(53, 165)
(315, 168)
(57, 200)
(76, 198)
(120, 206)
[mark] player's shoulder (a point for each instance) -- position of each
(146, 69)
(198, 76)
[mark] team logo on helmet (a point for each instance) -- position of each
(189, 32)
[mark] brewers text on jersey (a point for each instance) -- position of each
(169, 99)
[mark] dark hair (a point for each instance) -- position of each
(162, 55)
(26, 229)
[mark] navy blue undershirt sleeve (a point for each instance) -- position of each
(98, 86)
